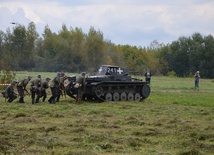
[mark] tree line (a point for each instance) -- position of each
(72, 50)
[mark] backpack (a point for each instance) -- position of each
(4, 94)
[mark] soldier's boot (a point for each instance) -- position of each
(9, 100)
(79, 100)
(37, 100)
(21, 100)
(33, 101)
(57, 99)
(43, 99)
(53, 101)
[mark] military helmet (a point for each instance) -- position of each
(83, 73)
(47, 79)
(62, 73)
(14, 82)
(58, 74)
(39, 76)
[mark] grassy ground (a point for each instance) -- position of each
(176, 119)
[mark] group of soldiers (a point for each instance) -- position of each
(38, 89)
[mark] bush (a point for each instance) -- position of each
(171, 74)
(6, 76)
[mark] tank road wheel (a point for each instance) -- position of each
(130, 96)
(99, 91)
(116, 96)
(137, 97)
(123, 96)
(146, 91)
(108, 97)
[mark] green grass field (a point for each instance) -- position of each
(176, 119)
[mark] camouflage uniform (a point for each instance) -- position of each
(21, 87)
(36, 89)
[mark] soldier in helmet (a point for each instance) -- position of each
(36, 89)
(62, 91)
(80, 86)
(21, 87)
(45, 85)
(9, 91)
(54, 86)
(148, 76)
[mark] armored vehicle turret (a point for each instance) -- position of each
(112, 83)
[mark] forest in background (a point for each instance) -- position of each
(72, 50)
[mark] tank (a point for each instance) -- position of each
(112, 83)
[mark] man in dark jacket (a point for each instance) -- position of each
(21, 87)
(148, 76)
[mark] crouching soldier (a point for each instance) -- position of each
(45, 85)
(36, 89)
(9, 92)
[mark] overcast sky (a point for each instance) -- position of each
(132, 22)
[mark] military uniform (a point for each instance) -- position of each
(36, 89)
(11, 95)
(45, 85)
(80, 85)
(21, 87)
(54, 86)
(62, 79)
(148, 77)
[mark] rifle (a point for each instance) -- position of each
(26, 91)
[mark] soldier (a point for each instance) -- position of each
(54, 86)
(148, 77)
(62, 91)
(9, 92)
(45, 85)
(36, 89)
(80, 85)
(21, 87)
(70, 90)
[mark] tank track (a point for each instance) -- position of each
(121, 92)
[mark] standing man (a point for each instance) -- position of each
(9, 92)
(62, 91)
(80, 85)
(197, 77)
(36, 89)
(54, 86)
(45, 85)
(21, 87)
(148, 77)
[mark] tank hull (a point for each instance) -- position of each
(112, 83)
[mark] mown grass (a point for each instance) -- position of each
(176, 119)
